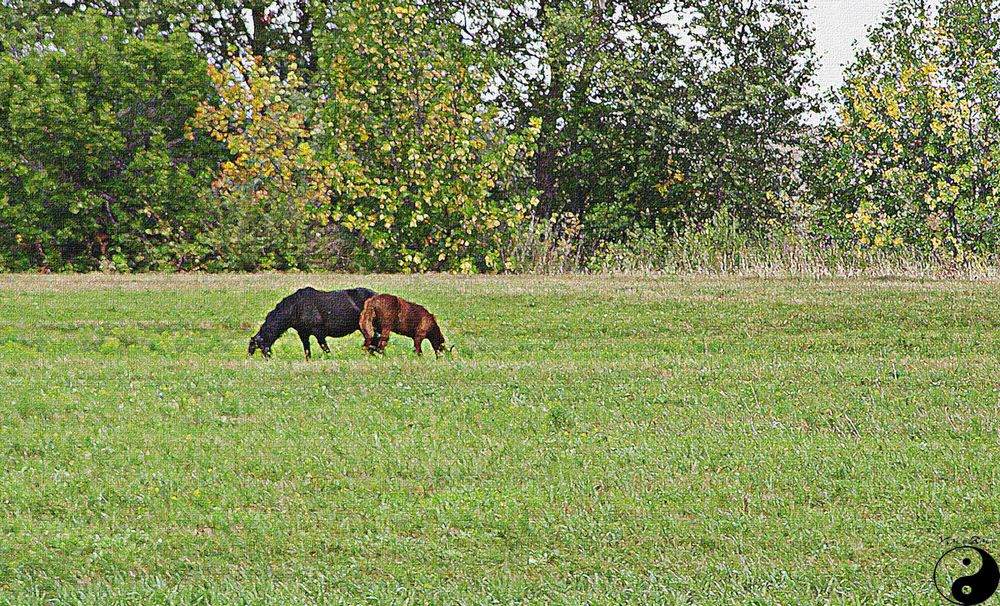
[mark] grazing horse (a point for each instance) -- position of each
(388, 313)
(312, 312)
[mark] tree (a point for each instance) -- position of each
(756, 65)
(219, 28)
(423, 172)
(93, 163)
(651, 110)
(910, 160)
(270, 199)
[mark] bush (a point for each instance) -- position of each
(551, 245)
(721, 247)
(270, 200)
(93, 162)
(718, 245)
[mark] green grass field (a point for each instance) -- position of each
(590, 440)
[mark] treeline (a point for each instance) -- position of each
(484, 135)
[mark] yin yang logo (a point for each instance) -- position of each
(966, 575)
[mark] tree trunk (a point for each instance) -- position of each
(259, 39)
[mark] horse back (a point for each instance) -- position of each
(360, 296)
(413, 319)
(331, 313)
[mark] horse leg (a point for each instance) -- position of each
(417, 340)
(383, 338)
(369, 344)
(304, 336)
(323, 345)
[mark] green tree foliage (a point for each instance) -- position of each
(93, 162)
(911, 159)
(219, 28)
(755, 64)
(396, 135)
(421, 168)
(388, 156)
(652, 110)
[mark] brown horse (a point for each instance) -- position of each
(388, 313)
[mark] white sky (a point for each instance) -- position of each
(838, 24)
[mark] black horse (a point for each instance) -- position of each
(312, 312)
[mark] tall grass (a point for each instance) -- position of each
(722, 247)
(552, 245)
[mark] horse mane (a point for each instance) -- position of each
(366, 321)
(280, 318)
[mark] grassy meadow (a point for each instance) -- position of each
(595, 440)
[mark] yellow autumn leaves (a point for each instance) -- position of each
(433, 162)
(270, 157)
(400, 152)
(911, 164)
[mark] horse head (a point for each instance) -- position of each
(258, 342)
